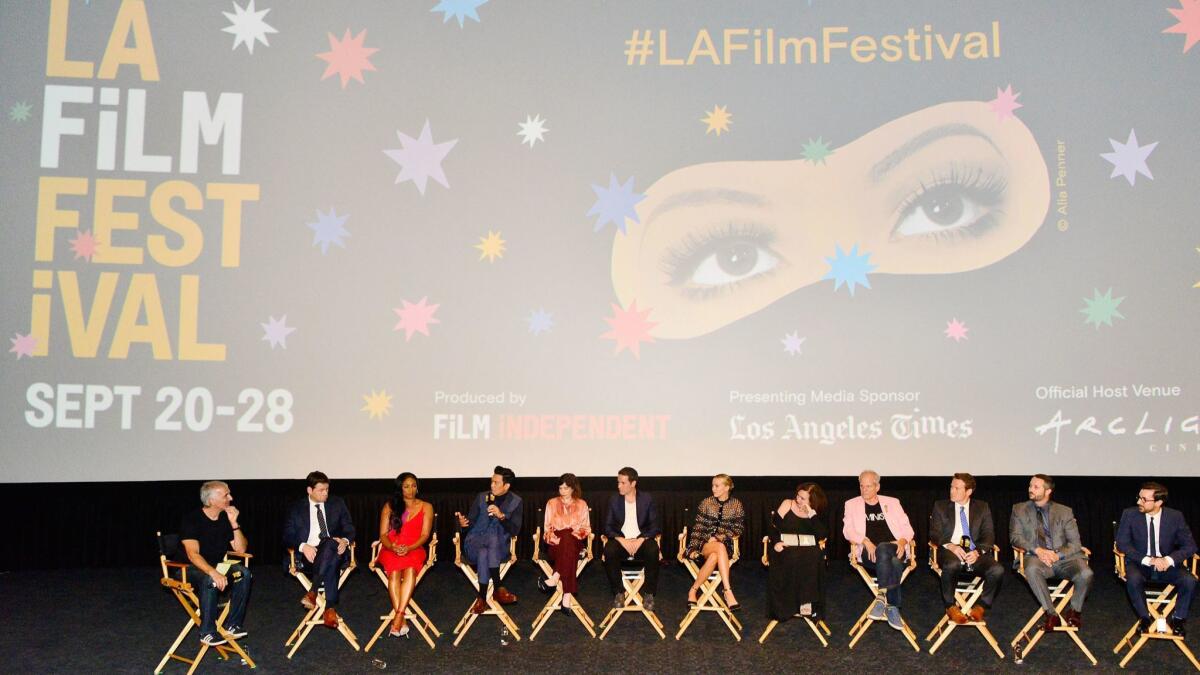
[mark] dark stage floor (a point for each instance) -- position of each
(121, 620)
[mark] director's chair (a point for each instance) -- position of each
(555, 602)
(1160, 601)
(414, 615)
(494, 608)
(1061, 592)
(313, 616)
(967, 591)
(169, 546)
(633, 577)
(816, 626)
(865, 620)
(709, 600)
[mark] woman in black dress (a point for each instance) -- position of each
(795, 580)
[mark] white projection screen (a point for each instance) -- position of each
(247, 238)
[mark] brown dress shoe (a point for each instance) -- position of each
(1051, 622)
(956, 614)
(503, 597)
(977, 613)
(330, 618)
(1073, 618)
(479, 607)
(309, 600)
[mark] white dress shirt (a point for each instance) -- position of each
(958, 531)
(630, 529)
(314, 526)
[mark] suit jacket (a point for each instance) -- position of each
(854, 521)
(647, 516)
(1024, 525)
(979, 519)
(337, 519)
(1174, 536)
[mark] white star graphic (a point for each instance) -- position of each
(276, 332)
(532, 130)
(247, 26)
(420, 158)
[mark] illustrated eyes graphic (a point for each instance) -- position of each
(955, 205)
(720, 259)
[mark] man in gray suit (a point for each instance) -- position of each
(1048, 533)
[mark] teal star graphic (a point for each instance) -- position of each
(1102, 308)
(20, 111)
(816, 151)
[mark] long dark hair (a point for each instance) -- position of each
(397, 500)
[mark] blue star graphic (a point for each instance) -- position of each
(615, 203)
(328, 230)
(540, 321)
(850, 269)
(459, 9)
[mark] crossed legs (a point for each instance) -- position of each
(715, 557)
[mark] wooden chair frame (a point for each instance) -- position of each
(413, 615)
(494, 608)
(1060, 594)
(632, 580)
(1159, 602)
(312, 617)
(555, 602)
(865, 620)
(709, 600)
(966, 594)
(816, 626)
(185, 593)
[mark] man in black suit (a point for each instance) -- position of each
(1158, 546)
(631, 526)
(963, 532)
(320, 529)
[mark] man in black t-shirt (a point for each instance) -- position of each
(207, 533)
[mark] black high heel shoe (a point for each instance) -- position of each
(544, 587)
(733, 607)
(692, 603)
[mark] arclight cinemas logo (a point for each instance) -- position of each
(1148, 424)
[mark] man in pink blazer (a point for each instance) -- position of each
(878, 526)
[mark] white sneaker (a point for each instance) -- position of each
(212, 639)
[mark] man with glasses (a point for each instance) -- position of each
(1157, 544)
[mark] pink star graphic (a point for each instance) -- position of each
(23, 345)
(956, 330)
(415, 318)
(84, 246)
(1188, 14)
(1005, 103)
(629, 328)
(348, 58)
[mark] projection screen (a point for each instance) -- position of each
(249, 238)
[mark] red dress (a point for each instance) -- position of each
(410, 531)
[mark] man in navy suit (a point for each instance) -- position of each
(1158, 546)
(631, 526)
(319, 528)
(963, 531)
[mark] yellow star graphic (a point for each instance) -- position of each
(491, 246)
(717, 120)
(379, 403)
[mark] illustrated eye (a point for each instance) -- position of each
(954, 206)
(721, 259)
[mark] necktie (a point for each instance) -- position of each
(321, 523)
(1153, 539)
(966, 528)
(1044, 535)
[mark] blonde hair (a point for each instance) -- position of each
(724, 478)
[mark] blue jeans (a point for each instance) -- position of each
(888, 568)
(239, 578)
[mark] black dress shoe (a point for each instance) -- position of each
(1178, 626)
(544, 587)
(1145, 624)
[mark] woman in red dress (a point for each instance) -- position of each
(404, 528)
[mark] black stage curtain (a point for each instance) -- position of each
(71, 525)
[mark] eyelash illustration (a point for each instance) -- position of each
(704, 264)
(961, 203)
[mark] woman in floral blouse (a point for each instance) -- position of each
(719, 520)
